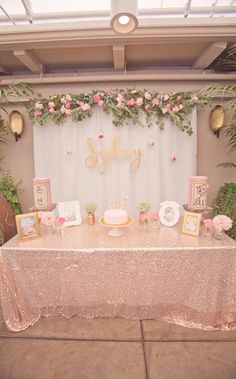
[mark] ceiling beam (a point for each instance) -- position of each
(209, 55)
(4, 70)
(119, 57)
(29, 60)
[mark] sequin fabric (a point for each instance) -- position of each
(156, 274)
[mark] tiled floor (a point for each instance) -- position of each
(115, 349)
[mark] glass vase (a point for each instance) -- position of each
(219, 234)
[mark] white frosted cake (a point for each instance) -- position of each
(115, 216)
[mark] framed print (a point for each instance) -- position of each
(70, 211)
(42, 193)
(191, 223)
(28, 226)
(169, 213)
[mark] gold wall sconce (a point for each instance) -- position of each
(217, 118)
(16, 124)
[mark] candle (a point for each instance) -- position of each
(197, 194)
(42, 193)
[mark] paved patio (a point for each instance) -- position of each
(115, 349)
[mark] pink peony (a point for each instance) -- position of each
(222, 222)
(139, 101)
(68, 112)
(155, 101)
(143, 217)
(96, 98)
(48, 218)
(63, 100)
(208, 223)
(100, 103)
(37, 113)
(147, 107)
(131, 102)
(175, 109)
(51, 110)
(154, 216)
(164, 110)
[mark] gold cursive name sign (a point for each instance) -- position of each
(103, 158)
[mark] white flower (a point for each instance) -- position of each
(139, 101)
(166, 97)
(147, 95)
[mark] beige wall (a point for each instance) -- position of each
(210, 152)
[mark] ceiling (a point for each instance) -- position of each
(170, 43)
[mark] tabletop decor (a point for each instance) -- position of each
(123, 104)
(221, 224)
(143, 209)
(191, 223)
(90, 209)
(42, 194)
(169, 213)
(197, 195)
(116, 230)
(70, 210)
(28, 226)
(208, 228)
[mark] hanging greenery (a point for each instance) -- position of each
(123, 104)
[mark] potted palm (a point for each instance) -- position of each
(90, 209)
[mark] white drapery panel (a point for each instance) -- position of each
(60, 153)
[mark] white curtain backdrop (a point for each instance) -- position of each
(60, 153)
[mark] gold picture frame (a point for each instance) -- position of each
(191, 223)
(28, 226)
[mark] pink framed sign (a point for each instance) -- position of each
(42, 193)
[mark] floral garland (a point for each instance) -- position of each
(123, 104)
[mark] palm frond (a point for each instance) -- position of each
(218, 90)
(15, 91)
(227, 165)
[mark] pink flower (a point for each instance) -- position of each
(85, 106)
(37, 113)
(68, 112)
(96, 98)
(154, 216)
(38, 106)
(68, 98)
(63, 100)
(143, 216)
(155, 101)
(67, 105)
(147, 107)
(61, 220)
(208, 223)
(131, 102)
(101, 136)
(180, 97)
(100, 103)
(51, 110)
(222, 222)
(120, 98)
(181, 107)
(120, 105)
(164, 110)
(51, 104)
(48, 218)
(169, 105)
(175, 109)
(173, 158)
(139, 101)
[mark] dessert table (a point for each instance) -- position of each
(161, 275)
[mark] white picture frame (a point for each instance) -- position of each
(169, 213)
(70, 210)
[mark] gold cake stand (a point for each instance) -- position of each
(116, 230)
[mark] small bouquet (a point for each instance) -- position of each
(222, 223)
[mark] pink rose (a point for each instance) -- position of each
(139, 101)
(175, 109)
(101, 136)
(38, 106)
(131, 102)
(208, 223)
(68, 112)
(164, 110)
(181, 107)
(96, 98)
(120, 105)
(48, 218)
(61, 220)
(143, 216)
(37, 113)
(100, 103)
(169, 106)
(147, 107)
(51, 110)
(180, 97)
(67, 106)
(173, 158)
(155, 101)
(154, 216)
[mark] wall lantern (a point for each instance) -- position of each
(16, 124)
(217, 119)
(124, 16)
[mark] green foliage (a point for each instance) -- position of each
(224, 204)
(90, 208)
(9, 188)
(124, 105)
(143, 207)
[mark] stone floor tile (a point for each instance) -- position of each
(50, 359)
(159, 330)
(191, 360)
(97, 328)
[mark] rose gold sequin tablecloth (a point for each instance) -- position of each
(161, 275)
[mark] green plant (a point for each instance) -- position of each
(91, 208)
(9, 188)
(143, 207)
(225, 204)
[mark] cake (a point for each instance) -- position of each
(115, 216)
